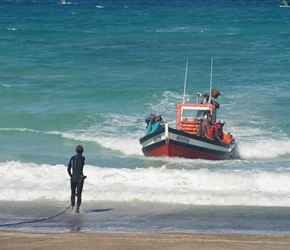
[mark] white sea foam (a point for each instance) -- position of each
(30, 181)
(263, 148)
(249, 146)
(6, 85)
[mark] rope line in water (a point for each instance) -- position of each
(37, 220)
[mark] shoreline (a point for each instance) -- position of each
(100, 241)
(144, 218)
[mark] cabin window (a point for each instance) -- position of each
(190, 114)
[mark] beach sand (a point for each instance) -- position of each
(14, 240)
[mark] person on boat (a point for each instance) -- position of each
(218, 130)
(218, 133)
(159, 119)
(147, 120)
(153, 125)
(206, 101)
(76, 164)
(206, 128)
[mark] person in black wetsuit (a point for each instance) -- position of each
(76, 164)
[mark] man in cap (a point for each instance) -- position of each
(77, 177)
(159, 119)
(219, 134)
(206, 101)
(218, 130)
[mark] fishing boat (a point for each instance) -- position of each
(186, 140)
(284, 4)
(65, 2)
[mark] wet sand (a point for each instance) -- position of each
(13, 240)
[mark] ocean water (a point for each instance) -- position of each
(88, 72)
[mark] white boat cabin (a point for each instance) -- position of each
(189, 117)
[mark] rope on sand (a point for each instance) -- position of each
(36, 220)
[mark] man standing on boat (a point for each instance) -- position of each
(206, 101)
(207, 129)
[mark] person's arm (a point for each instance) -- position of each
(216, 104)
(148, 131)
(203, 130)
(206, 136)
(83, 165)
(155, 127)
(69, 167)
(216, 136)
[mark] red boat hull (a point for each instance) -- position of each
(181, 144)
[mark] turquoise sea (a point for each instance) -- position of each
(89, 71)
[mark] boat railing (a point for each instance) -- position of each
(191, 127)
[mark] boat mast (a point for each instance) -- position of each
(210, 83)
(185, 78)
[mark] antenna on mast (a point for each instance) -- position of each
(210, 83)
(185, 78)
